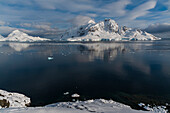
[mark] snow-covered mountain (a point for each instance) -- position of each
(107, 30)
(18, 36)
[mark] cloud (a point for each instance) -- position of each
(167, 4)
(25, 25)
(5, 30)
(68, 5)
(91, 15)
(131, 16)
(42, 27)
(50, 33)
(2, 22)
(141, 10)
(80, 20)
(116, 9)
(158, 28)
(50, 16)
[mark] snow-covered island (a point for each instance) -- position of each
(107, 30)
(18, 36)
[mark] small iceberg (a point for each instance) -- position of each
(75, 95)
(50, 58)
(66, 93)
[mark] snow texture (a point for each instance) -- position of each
(107, 30)
(97, 106)
(156, 109)
(13, 100)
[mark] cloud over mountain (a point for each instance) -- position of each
(158, 27)
(62, 14)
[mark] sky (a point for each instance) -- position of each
(48, 18)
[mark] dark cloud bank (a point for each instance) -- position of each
(159, 30)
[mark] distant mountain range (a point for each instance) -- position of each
(107, 30)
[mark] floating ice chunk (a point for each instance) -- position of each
(75, 95)
(66, 93)
(141, 104)
(50, 58)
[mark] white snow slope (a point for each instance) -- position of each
(18, 36)
(97, 106)
(107, 30)
(13, 100)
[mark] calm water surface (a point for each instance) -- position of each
(128, 72)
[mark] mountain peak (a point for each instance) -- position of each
(110, 21)
(16, 30)
(107, 25)
(91, 22)
(17, 33)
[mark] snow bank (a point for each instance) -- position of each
(107, 30)
(13, 100)
(98, 106)
(18, 36)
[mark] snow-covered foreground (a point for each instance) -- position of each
(98, 106)
(13, 100)
(18, 36)
(156, 109)
(17, 103)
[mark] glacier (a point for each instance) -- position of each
(107, 30)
